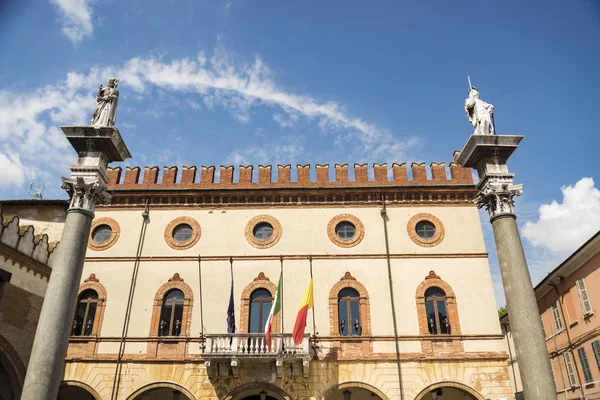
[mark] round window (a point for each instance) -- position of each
(101, 234)
(425, 229)
(182, 233)
(263, 231)
(345, 230)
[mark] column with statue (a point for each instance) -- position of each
(488, 153)
(96, 145)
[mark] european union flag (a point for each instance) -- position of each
(231, 312)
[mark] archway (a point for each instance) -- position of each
(353, 391)
(12, 372)
(162, 391)
(258, 391)
(73, 390)
(449, 391)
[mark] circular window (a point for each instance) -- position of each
(345, 230)
(425, 230)
(263, 231)
(103, 233)
(182, 233)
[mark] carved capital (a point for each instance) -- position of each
(498, 197)
(85, 195)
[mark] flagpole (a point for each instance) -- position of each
(313, 308)
(281, 259)
(231, 270)
(200, 282)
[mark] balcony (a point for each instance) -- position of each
(252, 348)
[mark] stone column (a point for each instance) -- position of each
(488, 154)
(96, 147)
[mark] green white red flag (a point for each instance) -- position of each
(306, 303)
(275, 308)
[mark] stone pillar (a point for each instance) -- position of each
(488, 154)
(96, 147)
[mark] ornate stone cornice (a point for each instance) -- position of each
(496, 195)
(84, 196)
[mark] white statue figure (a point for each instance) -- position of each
(480, 113)
(105, 112)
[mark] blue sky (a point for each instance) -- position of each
(230, 82)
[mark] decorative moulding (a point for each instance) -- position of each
(92, 278)
(261, 277)
(176, 278)
(347, 277)
(114, 236)
(196, 233)
(436, 239)
(353, 241)
(270, 242)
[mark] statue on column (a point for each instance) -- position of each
(105, 112)
(480, 113)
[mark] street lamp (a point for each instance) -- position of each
(263, 395)
(347, 394)
(433, 394)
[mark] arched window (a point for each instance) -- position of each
(437, 314)
(171, 314)
(260, 306)
(83, 323)
(349, 312)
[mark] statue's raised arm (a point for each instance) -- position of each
(480, 113)
(107, 100)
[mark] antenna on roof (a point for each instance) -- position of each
(36, 190)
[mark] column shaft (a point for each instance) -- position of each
(46, 364)
(534, 365)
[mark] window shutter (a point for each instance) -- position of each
(570, 300)
(586, 306)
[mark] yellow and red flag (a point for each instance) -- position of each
(306, 303)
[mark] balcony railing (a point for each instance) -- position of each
(254, 345)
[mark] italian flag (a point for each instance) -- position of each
(306, 303)
(274, 310)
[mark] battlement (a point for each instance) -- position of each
(24, 246)
(205, 177)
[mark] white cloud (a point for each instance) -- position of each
(563, 227)
(28, 120)
(76, 18)
(13, 172)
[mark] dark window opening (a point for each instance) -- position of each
(260, 307)
(437, 314)
(263, 231)
(425, 229)
(349, 323)
(102, 233)
(83, 323)
(171, 315)
(345, 230)
(182, 233)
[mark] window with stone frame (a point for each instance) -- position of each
(556, 314)
(437, 308)
(172, 309)
(438, 322)
(85, 314)
(171, 315)
(349, 321)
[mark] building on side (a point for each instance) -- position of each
(152, 313)
(568, 298)
(29, 231)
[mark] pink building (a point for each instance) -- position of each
(569, 302)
